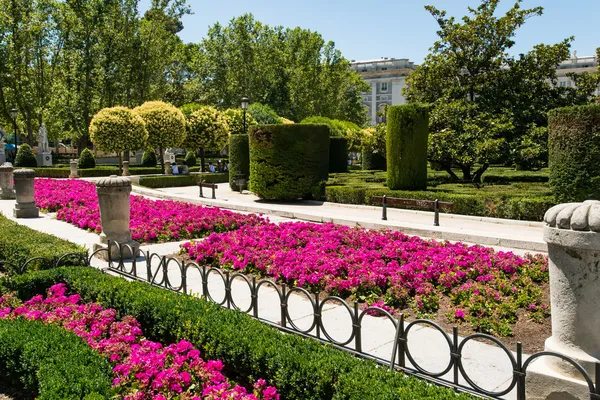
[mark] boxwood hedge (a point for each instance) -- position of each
(63, 172)
(50, 363)
(300, 368)
(181, 180)
(239, 158)
(338, 155)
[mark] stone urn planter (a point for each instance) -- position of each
(25, 206)
(7, 189)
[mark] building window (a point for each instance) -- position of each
(384, 87)
(384, 69)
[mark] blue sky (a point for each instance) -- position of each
(395, 28)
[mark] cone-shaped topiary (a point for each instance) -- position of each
(118, 129)
(25, 157)
(406, 143)
(86, 159)
(190, 159)
(149, 158)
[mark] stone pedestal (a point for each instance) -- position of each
(169, 157)
(73, 173)
(572, 232)
(168, 169)
(25, 206)
(113, 198)
(126, 168)
(44, 159)
(2, 153)
(7, 190)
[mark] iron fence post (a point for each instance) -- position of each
(183, 277)
(317, 315)
(436, 210)
(214, 196)
(283, 306)
(384, 208)
(228, 289)
(200, 186)
(204, 282)
(454, 353)
(254, 296)
(519, 373)
(357, 329)
(148, 267)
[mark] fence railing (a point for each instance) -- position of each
(155, 270)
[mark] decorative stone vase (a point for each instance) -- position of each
(73, 169)
(113, 199)
(572, 232)
(25, 206)
(126, 168)
(7, 190)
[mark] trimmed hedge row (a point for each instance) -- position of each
(338, 155)
(299, 368)
(181, 180)
(521, 208)
(98, 171)
(48, 362)
(19, 244)
(239, 158)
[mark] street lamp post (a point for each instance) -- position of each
(14, 113)
(244, 107)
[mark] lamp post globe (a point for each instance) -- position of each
(244, 107)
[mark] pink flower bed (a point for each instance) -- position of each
(143, 369)
(386, 268)
(76, 202)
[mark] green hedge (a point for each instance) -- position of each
(62, 172)
(521, 208)
(406, 144)
(25, 157)
(48, 362)
(299, 368)
(149, 158)
(19, 243)
(574, 153)
(86, 159)
(288, 162)
(373, 161)
(181, 180)
(239, 158)
(338, 155)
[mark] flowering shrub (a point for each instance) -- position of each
(76, 202)
(144, 369)
(386, 268)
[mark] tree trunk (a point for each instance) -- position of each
(82, 143)
(477, 175)
(120, 164)
(161, 159)
(202, 160)
(454, 177)
(466, 171)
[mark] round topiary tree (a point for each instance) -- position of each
(239, 158)
(235, 121)
(118, 129)
(206, 130)
(574, 151)
(149, 158)
(25, 157)
(165, 123)
(263, 114)
(86, 159)
(288, 162)
(406, 143)
(338, 154)
(190, 159)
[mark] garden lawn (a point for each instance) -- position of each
(487, 290)
(76, 202)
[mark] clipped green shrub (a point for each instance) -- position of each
(25, 157)
(373, 161)
(207, 129)
(300, 368)
(235, 121)
(118, 129)
(165, 123)
(190, 159)
(86, 159)
(406, 144)
(48, 362)
(239, 158)
(574, 153)
(149, 158)
(263, 114)
(182, 180)
(288, 162)
(338, 155)
(19, 244)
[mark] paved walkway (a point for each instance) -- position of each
(487, 365)
(510, 234)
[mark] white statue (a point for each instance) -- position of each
(43, 139)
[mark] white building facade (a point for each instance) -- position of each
(576, 65)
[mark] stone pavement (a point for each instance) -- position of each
(510, 234)
(486, 364)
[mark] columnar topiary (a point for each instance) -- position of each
(239, 158)
(190, 159)
(235, 121)
(288, 162)
(118, 129)
(86, 159)
(149, 158)
(574, 153)
(25, 157)
(338, 155)
(263, 114)
(206, 128)
(165, 123)
(406, 144)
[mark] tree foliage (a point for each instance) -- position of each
(118, 129)
(165, 123)
(235, 121)
(207, 129)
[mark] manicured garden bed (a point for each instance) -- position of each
(76, 202)
(182, 180)
(61, 171)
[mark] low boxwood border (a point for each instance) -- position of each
(48, 362)
(182, 180)
(299, 368)
(98, 171)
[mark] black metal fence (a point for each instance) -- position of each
(141, 268)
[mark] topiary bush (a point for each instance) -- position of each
(86, 159)
(149, 158)
(235, 121)
(118, 129)
(207, 129)
(406, 145)
(190, 159)
(239, 158)
(338, 155)
(25, 157)
(263, 114)
(574, 153)
(288, 162)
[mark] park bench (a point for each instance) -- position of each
(434, 205)
(212, 186)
